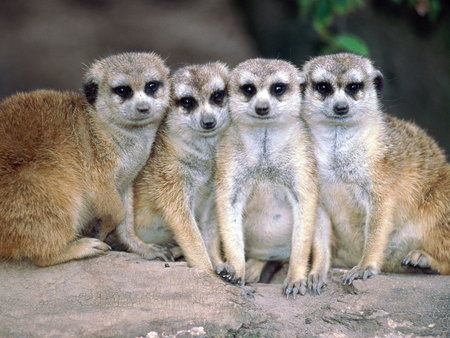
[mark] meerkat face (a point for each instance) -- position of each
(340, 89)
(264, 91)
(130, 89)
(200, 99)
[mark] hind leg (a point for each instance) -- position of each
(421, 259)
(434, 253)
(82, 248)
(253, 270)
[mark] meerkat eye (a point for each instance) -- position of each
(323, 88)
(278, 89)
(217, 97)
(248, 89)
(152, 87)
(123, 91)
(353, 88)
(187, 102)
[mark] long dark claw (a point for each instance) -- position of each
(366, 275)
(406, 261)
(288, 292)
(228, 274)
(284, 290)
(295, 291)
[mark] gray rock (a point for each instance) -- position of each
(122, 295)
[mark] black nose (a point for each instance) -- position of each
(143, 110)
(208, 122)
(262, 109)
(341, 108)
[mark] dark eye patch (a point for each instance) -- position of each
(248, 89)
(278, 89)
(323, 88)
(354, 87)
(217, 97)
(124, 92)
(152, 87)
(187, 103)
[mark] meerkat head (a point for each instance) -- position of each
(340, 89)
(129, 89)
(264, 91)
(200, 99)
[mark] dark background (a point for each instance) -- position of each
(49, 43)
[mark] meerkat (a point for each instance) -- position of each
(265, 161)
(174, 193)
(67, 161)
(384, 183)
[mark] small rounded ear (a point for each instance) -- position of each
(378, 82)
(90, 91)
(301, 78)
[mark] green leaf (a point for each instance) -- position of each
(435, 9)
(305, 8)
(323, 15)
(350, 43)
(342, 7)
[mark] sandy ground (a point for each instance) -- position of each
(122, 295)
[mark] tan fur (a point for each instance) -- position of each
(385, 184)
(174, 194)
(64, 162)
(266, 172)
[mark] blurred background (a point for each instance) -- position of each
(49, 43)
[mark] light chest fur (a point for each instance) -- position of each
(345, 183)
(133, 150)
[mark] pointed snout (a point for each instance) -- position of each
(341, 108)
(208, 122)
(142, 104)
(262, 108)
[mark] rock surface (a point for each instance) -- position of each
(122, 295)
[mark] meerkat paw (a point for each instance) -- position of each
(176, 252)
(88, 247)
(228, 274)
(79, 249)
(153, 251)
(421, 260)
(253, 270)
(294, 287)
(359, 272)
(316, 281)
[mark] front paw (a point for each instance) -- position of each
(228, 274)
(294, 288)
(315, 284)
(360, 273)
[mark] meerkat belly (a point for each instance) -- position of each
(347, 207)
(155, 231)
(268, 222)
